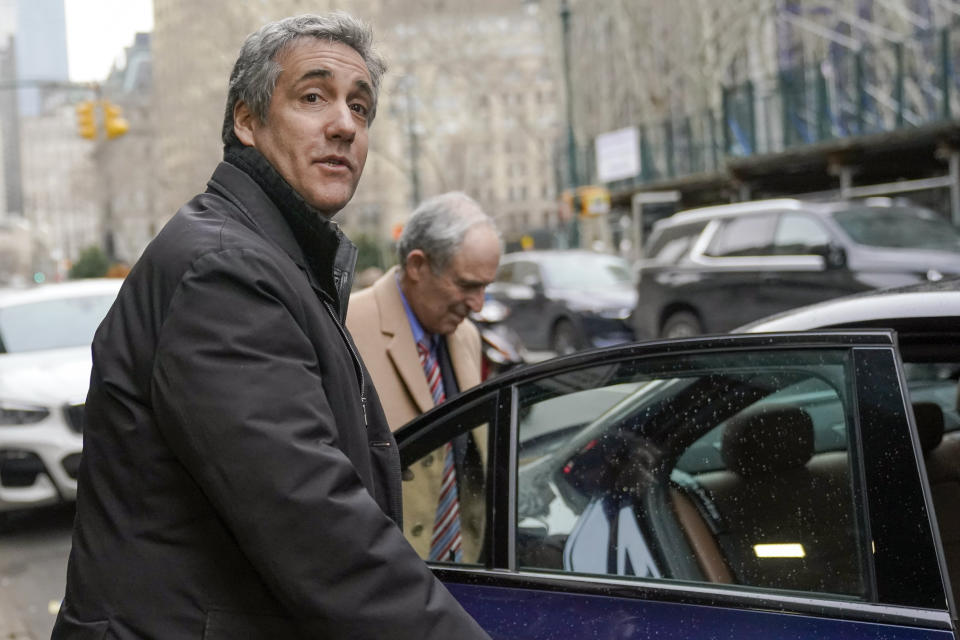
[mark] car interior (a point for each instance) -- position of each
(774, 490)
(733, 479)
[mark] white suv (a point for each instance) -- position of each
(45, 336)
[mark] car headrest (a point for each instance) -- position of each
(929, 419)
(770, 440)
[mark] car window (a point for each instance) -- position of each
(671, 244)
(586, 271)
(799, 234)
(505, 272)
(52, 324)
(444, 491)
(899, 227)
(750, 235)
(678, 472)
(936, 382)
(526, 273)
(817, 399)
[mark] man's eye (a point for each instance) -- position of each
(312, 97)
(360, 108)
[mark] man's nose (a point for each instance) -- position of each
(475, 300)
(342, 124)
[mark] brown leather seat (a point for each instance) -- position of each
(769, 496)
(942, 455)
(704, 545)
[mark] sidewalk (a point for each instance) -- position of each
(11, 626)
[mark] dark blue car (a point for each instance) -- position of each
(764, 486)
(564, 301)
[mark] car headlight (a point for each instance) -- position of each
(621, 313)
(17, 413)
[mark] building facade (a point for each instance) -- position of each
(469, 103)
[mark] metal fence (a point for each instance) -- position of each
(850, 93)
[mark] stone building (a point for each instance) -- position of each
(469, 103)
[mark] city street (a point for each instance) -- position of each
(33, 563)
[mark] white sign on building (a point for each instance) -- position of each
(618, 154)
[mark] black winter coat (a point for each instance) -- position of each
(228, 487)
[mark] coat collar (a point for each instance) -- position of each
(315, 244)
(465, 365)
(402, 350)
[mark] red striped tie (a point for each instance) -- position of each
(446, 543)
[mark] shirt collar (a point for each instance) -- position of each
(418, 333)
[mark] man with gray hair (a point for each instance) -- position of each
(412, 331)
(239, 476)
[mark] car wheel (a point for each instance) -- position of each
(566, 338)
(681, 324)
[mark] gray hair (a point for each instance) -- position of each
(438, 226)
(256, 70)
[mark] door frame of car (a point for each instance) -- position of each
(873, 351)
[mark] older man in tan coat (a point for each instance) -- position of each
(412, 332)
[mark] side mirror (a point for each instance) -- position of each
(834, 256)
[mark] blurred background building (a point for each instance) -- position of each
(469, 103)
(756, 98)
(523, 104)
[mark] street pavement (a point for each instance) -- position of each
(33, 563)
(11, 626)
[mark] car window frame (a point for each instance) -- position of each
(500, 567)
(699, 256)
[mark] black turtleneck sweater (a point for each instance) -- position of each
(330, 255)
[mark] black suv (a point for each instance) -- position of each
(712, 269)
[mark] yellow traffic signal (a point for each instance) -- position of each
(86, 120)
(113, 122)
(594, 201)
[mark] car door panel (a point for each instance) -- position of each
(582, 537)
(510, 613)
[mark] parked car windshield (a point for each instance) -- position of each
(52, 324)
(586, 272)
(899, 227)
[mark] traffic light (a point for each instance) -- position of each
(87, 120)
(594, 201)
(113, 122)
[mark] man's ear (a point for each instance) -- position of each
(417, 262)
(244, 123)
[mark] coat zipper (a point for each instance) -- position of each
(356, 361)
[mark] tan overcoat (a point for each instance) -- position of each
(378, 322)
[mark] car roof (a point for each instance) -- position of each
(896, 305)
(777, 204)
(60, 290)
